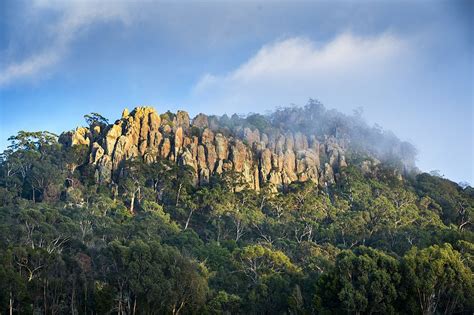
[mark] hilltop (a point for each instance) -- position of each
(300, 211)
(290, 145)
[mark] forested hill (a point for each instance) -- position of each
(300, 211)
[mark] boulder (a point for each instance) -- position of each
(201, 121)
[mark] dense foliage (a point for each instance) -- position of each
(154, 243)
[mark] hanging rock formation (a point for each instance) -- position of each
(278, 158)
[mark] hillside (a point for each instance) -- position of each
(300, 211)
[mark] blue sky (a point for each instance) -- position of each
(408, 65)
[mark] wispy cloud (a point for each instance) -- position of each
(72, 19)
(299, 67)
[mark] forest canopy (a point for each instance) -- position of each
(154, 242)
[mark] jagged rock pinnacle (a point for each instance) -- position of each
(275, 158)
(125, 113)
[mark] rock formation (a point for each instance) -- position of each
(278, 158)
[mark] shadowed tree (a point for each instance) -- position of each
(363, 281)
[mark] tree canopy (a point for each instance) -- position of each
(154, 242)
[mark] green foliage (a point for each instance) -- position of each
(153, 242)
(168, 118)
(436, 279)
(96, 119)
(258, 121)
(258, 262)
(456, 204)
(33, 141)
(223, 303)
(363, 281)
(148, 276)
(195, 132)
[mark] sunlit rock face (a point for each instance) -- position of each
(277, 158)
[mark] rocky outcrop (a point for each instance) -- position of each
(80, 136)
(201, 143)
(201, 121)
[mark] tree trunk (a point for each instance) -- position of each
(10, 305)
(73, 296)
(132, 203)
(218, 231)
(238, 230)
(120, 311)
(178, 193)
(189, 219)
(85, 298)
(44, 298)
(177, 310)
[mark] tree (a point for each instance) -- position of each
(148, 276)
(363, 281)
(259, 261)
(435, 278)
(456, 203)
(13, 288)
(224, 303)
(35, 141)
(233, 212)
(131, 182)
(95, 119)
(33, 165)
(307, 209)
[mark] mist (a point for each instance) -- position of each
(314, 119)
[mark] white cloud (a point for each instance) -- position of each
(73, 19)
(295, 69)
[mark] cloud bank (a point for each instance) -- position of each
(287, 70)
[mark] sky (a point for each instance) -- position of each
(408, 64)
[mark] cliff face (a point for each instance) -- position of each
(278, 158)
